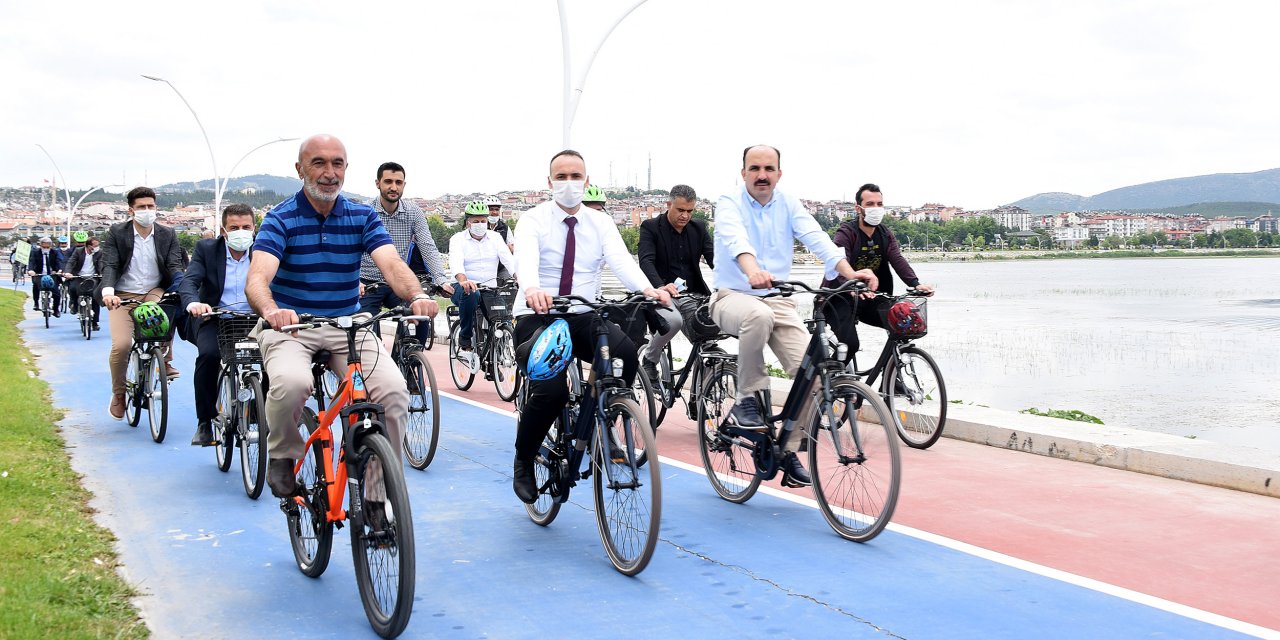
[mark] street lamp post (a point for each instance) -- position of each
(71, 213)
(65, 189)
(573, 94)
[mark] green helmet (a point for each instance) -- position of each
(151, 320)
(476, 208)
(593, 194)
(80, 236)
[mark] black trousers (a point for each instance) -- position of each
(208, 365)
(548, 397)
(56, 291)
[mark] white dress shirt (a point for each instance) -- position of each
(540, 239)
(478, 258)
(142, 274)
(86, 269)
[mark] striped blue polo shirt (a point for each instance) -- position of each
(319, 256)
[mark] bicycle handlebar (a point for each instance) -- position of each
(348, 323)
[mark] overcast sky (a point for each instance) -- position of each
(974, 103)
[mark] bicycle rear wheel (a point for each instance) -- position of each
(430, 340)
(628, 493)
(422, 430)
(646, 403)
(727, 459)
(854, 461)
(135, 379)
(310, 532)
(382, 537)
(916, 397)
(546, 477)
(224, 425)
(158, 396)
(252, 434)
(503, 355)
(460, 361)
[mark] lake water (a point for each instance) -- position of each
(1183, 346)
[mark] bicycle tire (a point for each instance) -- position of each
(158, 414)
(505, 367)
(422, 427)
(86, 326)
(544, 510)
(224, 424)
(666, 365)
(310, 532)
(461, 372)
(134, 381)
(730, 467)
(645, 402)
(628, 493)
(431, 335)
(855, 463)
(383, 555)
(251, 432)
(45, 310)
(918, 401)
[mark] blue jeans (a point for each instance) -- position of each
(466, 303)
(385, 298)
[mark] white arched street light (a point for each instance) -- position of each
(573, 94)
(65, 189)
(71, 213)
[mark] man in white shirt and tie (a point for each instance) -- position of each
(474, 255)
(561, 248)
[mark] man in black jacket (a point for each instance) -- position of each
(44, 260)
(670, 246)
(140, 259)
(215, 278)
(84, 263)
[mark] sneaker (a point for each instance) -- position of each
(204, 435)
(96, 327)
(793, 473)
(116, 409)
(747, 414)
(57, 314)
(281, 479)
(172, 373)
(375, 515)
(651, 371)
(525, 487)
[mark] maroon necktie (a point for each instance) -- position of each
(566, 268)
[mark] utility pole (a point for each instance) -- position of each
(649, 186)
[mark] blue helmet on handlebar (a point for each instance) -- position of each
(552, 349)
(46, 282)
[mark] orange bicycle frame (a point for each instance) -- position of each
(348, 393)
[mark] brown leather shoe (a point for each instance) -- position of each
(117, 406)
(170, 372)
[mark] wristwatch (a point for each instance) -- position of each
(420, 296)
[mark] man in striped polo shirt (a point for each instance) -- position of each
(306, 259)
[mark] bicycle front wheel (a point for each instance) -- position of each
(422, 430)
(546, 477)
(854, 461)
(382, 537)
(916, 396)
(430, 340)
(310, 532)
(253, 440)
(504, 362)
(645, 402)
(135, 378)
(460, 361)
(727, 459)
(158, 396)
(628, 493)
(224, 425)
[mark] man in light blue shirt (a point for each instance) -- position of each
(757, 227)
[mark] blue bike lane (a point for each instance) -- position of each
(212, 564)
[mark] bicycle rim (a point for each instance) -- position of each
(855, 462)
(422, 429)
(643, 394)
(253, 440)
(158, 397)
(916, 397)
(544, 509)
(726, 459)
(504, 364)
(628, 495)
(310, 532)
(382, 548)
(459, 366)
(224, 423)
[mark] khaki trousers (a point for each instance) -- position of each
(120, 322)
(757, 322)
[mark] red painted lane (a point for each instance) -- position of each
(1205, 547)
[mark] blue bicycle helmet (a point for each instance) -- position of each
(46, 282)
(551, 352)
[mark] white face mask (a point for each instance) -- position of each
(145, 217)
(873, 216)
(478, 229)
(493, 219)
(568, 193)
(240, 239)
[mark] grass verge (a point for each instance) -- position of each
(57, 566)
(1065, 414)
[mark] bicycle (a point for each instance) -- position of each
(382, 545)
(46, 297)
(493, 349)
(705, 351)
(911, 384)
(422, 429)
(242, 401)
(602, 423)
(854, 462)
(146, 381)
(84, 304)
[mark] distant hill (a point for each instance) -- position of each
(1257, 187)
(262, 182)
(1215, 209)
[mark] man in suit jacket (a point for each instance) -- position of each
(215, 278)
(670, 246)
(45, 260)
(84, 263)
(140, 259)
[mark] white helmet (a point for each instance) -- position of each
(492, 201)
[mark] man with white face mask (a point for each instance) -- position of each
(140, 260)
(216, 278)
(474, 256)
(869, 244)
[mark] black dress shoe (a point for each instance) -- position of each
(651, 371)
(523, 482)
(747, 414)
(204, 435)
(96, 327)
(793, 473)
(281, 479)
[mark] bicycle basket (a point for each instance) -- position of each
(496, 308)
(87, 286)
(698, 324)
(908, 319)
(234, 343)
(170, 311)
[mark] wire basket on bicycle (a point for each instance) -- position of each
(233, 331)
(157, 331)
(907, 318)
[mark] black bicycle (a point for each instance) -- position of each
(242, 401)
(853, 454)
(84, 304)
(493, 350)
(146, 382)
(910, 381)
(602, 423)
